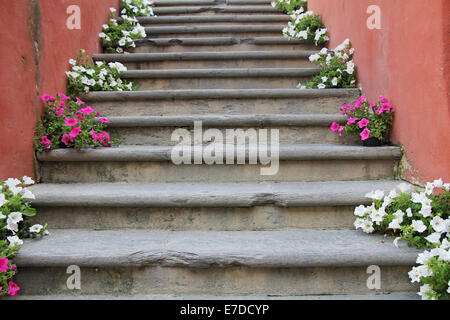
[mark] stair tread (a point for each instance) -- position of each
(269, 249)
(220, 40)
(293, 152)
(194, 195)
(215, 18)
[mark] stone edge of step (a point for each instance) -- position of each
(212, 8)
(202, 55)
(213, 19)
(202, 249)
(301, 152)
(224, 120)
(196, 195)
(221, 73)
(96, 96)
(213, 29)
(215, 41)
(163, 3)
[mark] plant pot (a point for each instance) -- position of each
(372, 142)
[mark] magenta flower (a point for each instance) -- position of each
(104, 120)
(75, 132)
(13, 266)
(62, 104)
(334, 126)
(385, 107)
(352, 120)
(46, 142)
(80, 117)
(47, 97)
(360, 100)
(365, 134)
(4, 264)
(105, 135)
(88, 110)
(66, 138)
(383, 99)
(340, 130)
(80, 102)
(63, 96)
(60, 112)
(344, 108)
(71, 122)
(363, 123)
(13, 288)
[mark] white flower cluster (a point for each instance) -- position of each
(437, 228)
(17, 187)
(295, 28)
(101, 77)
(137, 8)
(120, 36)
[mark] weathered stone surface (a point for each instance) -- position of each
(171, 20)
(289, 194)
(211, 29)
(211, 9)
(271, 249)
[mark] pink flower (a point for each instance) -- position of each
(4, 264)
(47, 97)
(360, 100)
(79, 102)
(383, 99)
(104, 135)
(363, 123)
(80, 117)
(334, 126)
(66, 138)
(13, 288)
(344, 108)
(104, 120)
(385, 107)
(352, 120)
(88, 110)
(62, 104)
(365, 134)
(60, 112)
(71, 122)
(75, 132)
(46, 142)
(341, 129)
(13, 266)
(63, 96)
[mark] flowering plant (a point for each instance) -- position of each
(306, 26)
(366, 119)
(338, 68)
(289, 6)
(86, 76)
(14, 226)
(117, 36)
(67, 122)
(422, 218)
(137, 8)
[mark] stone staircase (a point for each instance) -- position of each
(140, 226)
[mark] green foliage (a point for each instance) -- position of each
(137, 8)
(439, 280)
(289, 6)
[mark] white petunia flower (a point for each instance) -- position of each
(375, 195)
(438, 183)
(27, 194)
(321, 86)
(2, 199)
(419, 226)
(393, 194)
(438, 224)
(334, 81)
(14, 240)
(314, 57)
(360, 211)
(112, 10)
(409, 212)
(27, 180)
(425, 211)
(15, 217)
(424, 257)
(429, 188)
(368, 226)
(424, 290)
(359, 223)
(12, 182)
(395, 224)
(434, 238)
(36, 228)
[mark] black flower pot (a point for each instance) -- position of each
(372, 142)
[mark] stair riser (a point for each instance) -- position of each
(149, 48)
(211, 281)
(288, 135)
(165, 171)
(220, 63)
(207, 219)
(159, 107)
(218, 83)
(214, 10)
(249, 34)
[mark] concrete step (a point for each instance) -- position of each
(214, 30)
(203, 206)
(220, 9)
(294, 129)
(239, 78)
(153, 164)
(229, 19)
(169, 3)
(221, 101)
(140, 262)
(220, 44)
(200, 60)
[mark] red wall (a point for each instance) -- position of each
(36, 48)
(407, 61)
